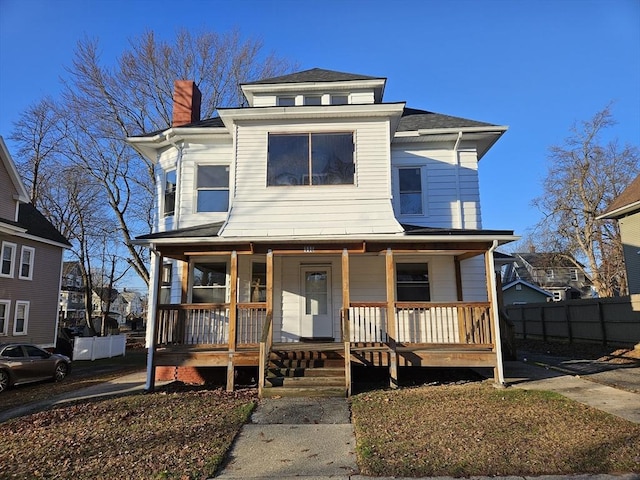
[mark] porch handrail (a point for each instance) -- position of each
(266, 341)
(423, 322)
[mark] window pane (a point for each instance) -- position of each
(209, 283)
(412, 282)
(7, 255)
(313, 100)
(410, 191)
(339, 99)
(259, 282)
(213, 200)
(288, 162)
(213, 176)
(332, 159)
(170, 193)
(410, 180)
(286, 101)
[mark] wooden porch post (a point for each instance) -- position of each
(152, 319)
(494, 313)
(391, 319)
(346, 322)
(233, 310)
(270, 293)
(266, 339)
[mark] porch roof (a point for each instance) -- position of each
(208, 234)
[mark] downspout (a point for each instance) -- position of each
(178, 200)
(494, 306)
(152, 318)
(457, 163)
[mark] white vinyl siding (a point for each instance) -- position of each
(451, 191)
(364, 207)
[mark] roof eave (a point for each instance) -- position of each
(620, 212)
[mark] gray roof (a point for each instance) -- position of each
(416, 230)
(36, 224)
(208, 230)
(314, 75)
(413, 119)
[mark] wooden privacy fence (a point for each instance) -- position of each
(604, 320)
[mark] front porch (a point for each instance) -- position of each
(394, 304)
(458, 334)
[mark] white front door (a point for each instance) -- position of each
(317, 312)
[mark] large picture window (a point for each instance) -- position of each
(412, 282)
(209, 283)
(310, 159)
(410, 191)
(213, 188)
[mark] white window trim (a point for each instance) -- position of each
(196, 189)
(26, 317)
(7, 313)
(423, 183)
(31, 264)
(13, 259)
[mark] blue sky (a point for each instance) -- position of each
(536, 66)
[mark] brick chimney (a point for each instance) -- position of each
(186, 102)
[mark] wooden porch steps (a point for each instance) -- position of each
(305, 373)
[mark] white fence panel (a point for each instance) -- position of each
(92, 348)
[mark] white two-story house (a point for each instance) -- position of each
(319, 222)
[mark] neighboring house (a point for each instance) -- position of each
(104, 298)
(626, 210)
(519, 291)
(72, 302)
(319, 222)
(30, 264)
(550, 272)
(133, 307)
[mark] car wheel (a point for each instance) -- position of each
(61, 371)
(4, 381)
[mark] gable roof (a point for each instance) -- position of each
(627, 202)
(314, 75)
(37, 225)
(14, 176)
(507, 286)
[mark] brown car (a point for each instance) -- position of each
(23, 363)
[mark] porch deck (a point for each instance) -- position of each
(458, 334)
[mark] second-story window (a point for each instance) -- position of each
(7, 259)
(213, 188)
(410, 187)
(286, 101)
(313, 100)
(26, 263)
(169, 193)
(339, 99)
(310, 159)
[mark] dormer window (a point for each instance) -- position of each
(313, 100)
(286, 101)
(310, 159)
(339, 99)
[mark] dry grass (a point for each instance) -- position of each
(163, 435)
(475, 429)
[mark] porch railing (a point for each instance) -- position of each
(208, 324)
(438, 323)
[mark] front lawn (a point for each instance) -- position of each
(476, 429)
(181, 435)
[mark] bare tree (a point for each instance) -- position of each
(583, 177)
(103, 104)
